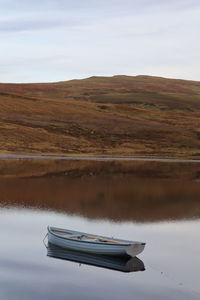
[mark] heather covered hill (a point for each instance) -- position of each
(119, 115)
(142, 91)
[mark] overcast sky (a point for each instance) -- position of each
(54, 40)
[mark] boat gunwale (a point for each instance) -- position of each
(91, 242)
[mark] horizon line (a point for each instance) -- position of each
(100, 76)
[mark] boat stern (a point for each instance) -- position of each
(135, 249)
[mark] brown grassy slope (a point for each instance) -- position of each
(27, 168)
(139, 115)
(147, 91)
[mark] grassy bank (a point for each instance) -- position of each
(120, 115)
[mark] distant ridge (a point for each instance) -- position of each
(104, 77)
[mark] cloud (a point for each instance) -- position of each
(59, 40)
(38, 23)
(26, 25)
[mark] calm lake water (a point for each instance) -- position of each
(163, 212)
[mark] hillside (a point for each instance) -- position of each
(119, 115)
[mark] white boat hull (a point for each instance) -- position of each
(119, 248)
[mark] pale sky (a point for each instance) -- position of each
(54, 40)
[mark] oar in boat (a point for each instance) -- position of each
(103, 239)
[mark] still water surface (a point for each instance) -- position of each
(171, 256)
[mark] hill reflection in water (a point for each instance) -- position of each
(146, 192)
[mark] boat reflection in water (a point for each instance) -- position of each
(123, 264)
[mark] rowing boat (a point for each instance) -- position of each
(81, 241)
(117, 263)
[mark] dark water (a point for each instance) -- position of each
(165, 213)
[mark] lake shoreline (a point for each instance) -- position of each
(11, 156)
